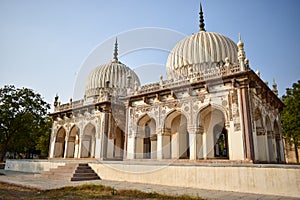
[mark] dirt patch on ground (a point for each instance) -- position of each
(8, 191)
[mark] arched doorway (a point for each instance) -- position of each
(88, 141)
(60, 143)
(261, 136)
(119, 143)
(176, 123)
(146, 142)
(73, 143)
(215, 138)
(271, 140)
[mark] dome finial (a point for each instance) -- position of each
(116, 50)
(201, 25)
(240, 43)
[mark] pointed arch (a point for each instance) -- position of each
(211, 120)
(259, 123)
(146, 144)
(175, 125)
(205, 109)
(73, 142)
(260, 136)
(60, 138)
(88, 141)
(270, 140)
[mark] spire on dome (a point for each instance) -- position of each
(201, 25)
(116, 51)
(240, 43)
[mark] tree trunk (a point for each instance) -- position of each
(296, 151)
(3, 151)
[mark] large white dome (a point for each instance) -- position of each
(200, 48)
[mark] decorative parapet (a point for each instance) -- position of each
(199, 72)
(68, 106)
(188, 74)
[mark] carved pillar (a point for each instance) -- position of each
(80, 146)
(159, 154)
(52, 142)
(153, 146)
(127, 115)
(163, 144)
(76, 149)
(193, 142)
(246, 118)
(104, 141)
(66, 147)
(93, 146)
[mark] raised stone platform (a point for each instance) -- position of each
(283, 180)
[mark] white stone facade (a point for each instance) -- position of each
(212, 107)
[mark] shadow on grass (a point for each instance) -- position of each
(88, 191)
(99, 191)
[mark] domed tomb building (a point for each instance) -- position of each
(212, 107)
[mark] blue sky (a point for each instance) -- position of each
(44, 44)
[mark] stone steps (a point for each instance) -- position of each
(71, 172)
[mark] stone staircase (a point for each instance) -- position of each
(71, 172)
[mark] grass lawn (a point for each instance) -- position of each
(90, 191)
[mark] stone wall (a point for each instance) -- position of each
(251, 178)
(31, 166)
(263, 179)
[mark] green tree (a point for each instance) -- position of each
(44, 137)
(23, 120)
(291, 116)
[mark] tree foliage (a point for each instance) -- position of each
(24, 125)
(291, 115)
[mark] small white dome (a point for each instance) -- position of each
(112, 75)
(200, 48)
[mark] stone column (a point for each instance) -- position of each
(193, 142)
(163, 144)
(153, 146)
(204, 146)
(52, 144)
(76, 149)
(104, 141)
(80, 146)
(159, 154)
(66, 147)
(130, 147)
(93, 146)
(127, 120)
(194, 139)
(245, 106)
(174, 142)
